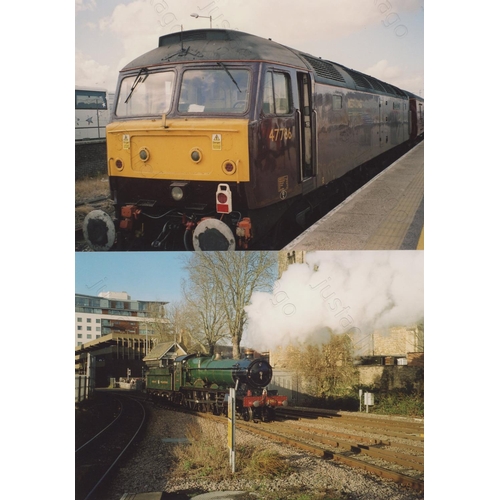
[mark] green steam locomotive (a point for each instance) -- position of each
(202, 383)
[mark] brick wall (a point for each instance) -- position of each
(90, 159)
(397, 341)
(387, 378)
(285, 259)
(415, 359)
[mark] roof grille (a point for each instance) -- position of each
(387, 88)
(359, 79)
(376, 84)
(324, 68)
(398, 91)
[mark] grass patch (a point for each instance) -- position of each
(91, 188)
(207, 455)
(266, 463)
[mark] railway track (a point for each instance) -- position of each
(389, 448)
(403, 465)
(96, 458)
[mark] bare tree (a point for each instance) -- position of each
(178, 322)
(157, 323)
(231, 278)
(206, 311)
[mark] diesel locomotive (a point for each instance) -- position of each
(202, 383)
(219, 139)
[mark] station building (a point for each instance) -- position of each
(113, 333)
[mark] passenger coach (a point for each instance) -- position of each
(219, 138)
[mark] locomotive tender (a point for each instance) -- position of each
(202, 383)
(219, 137)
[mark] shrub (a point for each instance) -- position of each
(399, 403)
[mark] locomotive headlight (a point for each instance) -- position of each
(196, 155)
(144, 154)
(177, 193)
(178, 190)
(229, 167)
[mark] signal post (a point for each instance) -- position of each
(231, 428)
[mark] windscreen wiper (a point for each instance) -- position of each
(137, 81)
(230, 76)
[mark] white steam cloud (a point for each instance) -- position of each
(340, 292)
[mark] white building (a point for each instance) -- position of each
(113, 312)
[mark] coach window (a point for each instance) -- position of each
(90, 99)
(276, 99)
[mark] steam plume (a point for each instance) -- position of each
(338, 292)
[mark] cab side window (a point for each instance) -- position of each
(277, 92)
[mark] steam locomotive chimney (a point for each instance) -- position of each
(249, 354)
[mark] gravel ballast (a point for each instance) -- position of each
(150, 466)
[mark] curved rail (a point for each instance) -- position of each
(100, 432)
(134, 431)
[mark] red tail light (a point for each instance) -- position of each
(223, 199)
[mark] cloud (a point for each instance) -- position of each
(89, 72)
(320, 20)
(138, 26)
(339, 292)
(85, 5)
(383, 71)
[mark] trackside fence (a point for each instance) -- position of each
(84, 388)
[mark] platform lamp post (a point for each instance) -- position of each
(196, 16)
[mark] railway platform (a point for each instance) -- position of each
(387, 213)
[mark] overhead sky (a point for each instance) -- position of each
(144, 276)
(382, 38)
